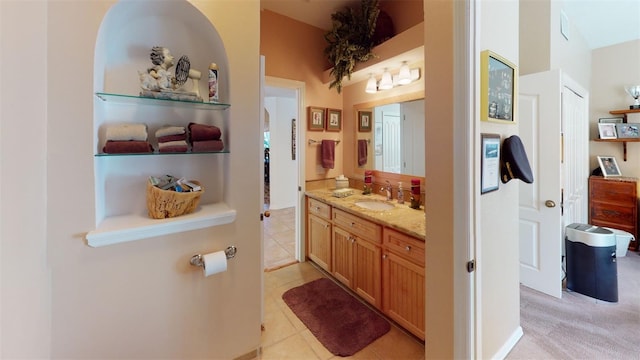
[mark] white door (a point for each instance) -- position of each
(543, 115)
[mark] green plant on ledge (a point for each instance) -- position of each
(351, 40)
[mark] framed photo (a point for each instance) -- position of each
(498, 88)
(628, 131)
(609, 166)
(334, 120)
(365, 120)
(607, 131)
(611, 120)
(490, 163)
(315, 118)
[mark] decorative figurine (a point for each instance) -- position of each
(158, 82)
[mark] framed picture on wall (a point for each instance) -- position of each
(365, 119)
(498, 88)
(315, 118)
(628, 131)
(609, 166)
(490, 163)
(334, 120)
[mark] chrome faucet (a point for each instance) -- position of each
(388, 189)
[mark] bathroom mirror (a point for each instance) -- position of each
(397, 138)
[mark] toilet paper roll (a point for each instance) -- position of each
(214, 263)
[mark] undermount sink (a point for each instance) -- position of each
(374, 205)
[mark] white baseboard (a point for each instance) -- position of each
(509, 344)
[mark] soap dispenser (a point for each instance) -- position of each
(400, 193)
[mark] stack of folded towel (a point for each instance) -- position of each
(172, 139)
(205, 138)
(127, 138)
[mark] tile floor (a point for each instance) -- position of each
(286, 337)
(279, 239)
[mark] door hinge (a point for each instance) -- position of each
(471, 265)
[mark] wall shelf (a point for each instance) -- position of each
(119, 229)
(141, 100)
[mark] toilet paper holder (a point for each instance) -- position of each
(230, 252)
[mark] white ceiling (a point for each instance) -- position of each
(601, 22)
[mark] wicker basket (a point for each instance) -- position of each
(164, 204)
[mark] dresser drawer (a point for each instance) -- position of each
(404, 245)
(613, 213)
(613, 191)
(318, 208)
(357, 226)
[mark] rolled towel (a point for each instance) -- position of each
(173, 146)
(170, 130)
(207, 146)
(126, 132)
(178, 137)
(327, 153)
(200, 132)
(127, 147)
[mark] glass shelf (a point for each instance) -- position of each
(140, 100)
(162, 154)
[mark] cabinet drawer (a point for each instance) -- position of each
(357, 226)
(404, 245)
(613, 213)
(319, 208)
(614, 191)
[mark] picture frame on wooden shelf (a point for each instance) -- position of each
(607, 131)
(315, 118)
(611, 120)
(490, 163)
(609, 166)
(498, 88)
(628, 131)
(334, 120)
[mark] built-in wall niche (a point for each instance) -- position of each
(128, 32)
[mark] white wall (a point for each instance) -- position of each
(283, 183)
(498, 263)
(614, 67)
(64, 299)
(25, 300)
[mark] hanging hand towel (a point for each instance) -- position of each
(362, 152)
(327, 155)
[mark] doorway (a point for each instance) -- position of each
(282, 178)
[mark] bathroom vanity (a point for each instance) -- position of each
(374, 247)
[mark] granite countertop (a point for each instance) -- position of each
(402, 218)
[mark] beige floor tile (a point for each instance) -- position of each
(316, 345)
(293, 347)
(397, 345)
(276, 327)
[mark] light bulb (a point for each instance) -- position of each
(404, 77)
(386, 82)
(372, 86)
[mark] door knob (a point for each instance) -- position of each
(549, 203)
(267, 213)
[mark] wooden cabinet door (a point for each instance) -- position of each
(342, 255)
(404, 293)
(319, 238)
(367, 259)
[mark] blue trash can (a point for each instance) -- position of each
(591, 261)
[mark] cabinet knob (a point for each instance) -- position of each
(326, 226)
(385, 256)
(352, 224)
(408, 248)
(550, 204)
(317, 208)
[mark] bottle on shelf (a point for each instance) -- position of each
(400, 193)
(213, 83)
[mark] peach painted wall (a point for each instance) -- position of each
(295, 51)
(405, 13)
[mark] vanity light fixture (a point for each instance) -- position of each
(386, 82)
(372, 85)
(404, 77)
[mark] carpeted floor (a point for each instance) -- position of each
(580, 327)
(337, 319)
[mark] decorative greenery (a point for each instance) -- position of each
(351, 40)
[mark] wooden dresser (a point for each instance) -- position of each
(613, 202)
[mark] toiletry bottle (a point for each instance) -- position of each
(400, 193)
(367, 182)
(213, 83)
(415, 193)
